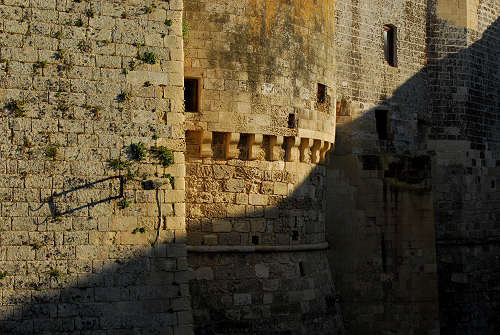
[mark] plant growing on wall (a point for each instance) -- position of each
(55, 273)
(51, 151)
(124, 203)
(16, 107)
(138, 151)
(163, 156)
(149, 57)
(185, 29)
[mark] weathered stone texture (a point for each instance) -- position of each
(254, 186)
(264, 293)
(71, 260)
(274, 202)
(464, 104)
(379, 217)
(258, 62)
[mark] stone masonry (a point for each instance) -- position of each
(80, 81)
(249, 167)
(255, 184)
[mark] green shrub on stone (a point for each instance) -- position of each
(164, 155)
(51, 151)
(149, 57)
(124, 203)
(141, 230)
(124, 96)
(138, 151)
(118, 164)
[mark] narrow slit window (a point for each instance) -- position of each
(383, 125)
(291, 121)
(301, 269)
(390, 45)
(321, 96)
(191, 95)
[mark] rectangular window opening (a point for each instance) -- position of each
(383, 125)
(191, 95)
(295, 235)
(321, 96)
(390, 45)
(255, 240)
(291, 121)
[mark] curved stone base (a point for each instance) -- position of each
(264, 293)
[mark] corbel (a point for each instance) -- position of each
(305, 146)
(327, 146)
(315, 151)
(293, 149)
(254, 144)
(232, 140)
(275, 145)
(206, 144)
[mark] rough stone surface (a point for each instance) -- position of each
(72, 260)
(442, 102)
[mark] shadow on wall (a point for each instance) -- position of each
(147, 290)
(458, 133)
(136, 288)
(74, 287)
(269, 273)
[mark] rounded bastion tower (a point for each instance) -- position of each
(260, 119)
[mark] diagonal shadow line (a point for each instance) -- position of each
(140, 292)
(474, 113)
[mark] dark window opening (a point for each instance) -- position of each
(383, 126)
(291, 121)
(255, 240)
(321, 93)
(301, 268)
(493, 184)
(474, 162)
(191, 95)
(390, 45)
(295, 235)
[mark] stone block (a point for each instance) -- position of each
(222, 226)
(257, 199)
(242, 299)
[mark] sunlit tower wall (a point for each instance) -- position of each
(260, 118)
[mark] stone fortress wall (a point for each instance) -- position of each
(464, 101)
(255, 189)
(76, 234)
(442, 101)
(380, 215)
(127, 207)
